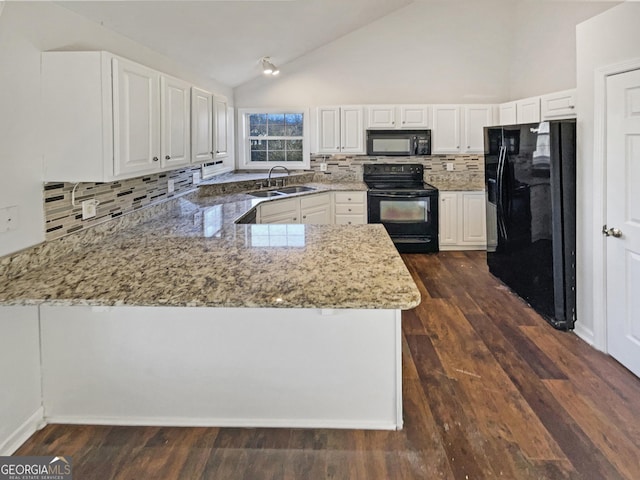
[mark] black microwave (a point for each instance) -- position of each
(398, 142)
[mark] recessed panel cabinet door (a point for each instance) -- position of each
(221, 114)
(328, 129)
(201, 126)
(136, 105)
(352, 130)
(476, 117)
(176, 122)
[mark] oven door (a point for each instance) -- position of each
(409, 217)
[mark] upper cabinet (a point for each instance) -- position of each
(398, 116)
(559, 105)
(508, 114)
(528, 110)
(221, 110)
(107, 118)
(340, 130)
(201, 126)
(460, 128)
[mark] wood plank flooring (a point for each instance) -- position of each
(490, 391)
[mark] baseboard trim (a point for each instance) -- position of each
(461, 248)
(219, 422)
(34, 423)
(584, 334)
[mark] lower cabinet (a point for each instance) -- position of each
(350, 208)
(462, 221)
(326, 208)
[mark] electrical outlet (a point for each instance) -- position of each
(89, 208)
(323, 167)
(450, 167)
(8, 219)
(196, 178)
(171, 186)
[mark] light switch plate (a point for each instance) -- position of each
(323, 167)
(89, 209)
(450, 166)
(196, 178)
(171, 186)
(8, 219)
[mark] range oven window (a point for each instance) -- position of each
(404, 211)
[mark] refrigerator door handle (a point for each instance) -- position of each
(499, 200)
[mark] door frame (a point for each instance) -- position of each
(599, 303)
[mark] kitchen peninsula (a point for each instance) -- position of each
(191, 319)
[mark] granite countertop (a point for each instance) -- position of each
(195, 255)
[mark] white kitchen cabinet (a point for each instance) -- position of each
(350, 207)
(398, 116)
(381, 116)
(415, 116)
(462, 221)
(107, 118)
(316, 209)
(528, 110)
(136, 118)
(559, 105)
(221, 115)
(508, 114)
(175, 120)
(201, 126)
(286, 210)
(340, 130)
(446, 129)
(476, 117)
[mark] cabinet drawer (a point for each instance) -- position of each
(350, 197)
(315, 200)
(278, 207)
(349, 209)
(350, 220)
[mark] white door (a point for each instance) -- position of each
(623, 213)
(201, 126)
(352, 130)
(446, 129)
(175, 114)
(476, 117)
(136, 118)
(221, 118)
(328, 129)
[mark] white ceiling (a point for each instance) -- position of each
(226, 39)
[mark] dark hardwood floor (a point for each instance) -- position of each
(490, 391)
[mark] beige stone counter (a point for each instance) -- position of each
(195, 255)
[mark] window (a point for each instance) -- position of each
(274, 137)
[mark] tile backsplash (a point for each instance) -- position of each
(116, 199)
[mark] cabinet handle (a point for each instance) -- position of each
(572, 106)
(304, 216)
(393, 123)
(468, 147)
(349, 223)
(403, 122)
(458, 146)
(167, 157)
(349, 209)
(155, 159)
(295, 218)
(217, 151)
(211, 153)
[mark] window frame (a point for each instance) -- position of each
(244, 147)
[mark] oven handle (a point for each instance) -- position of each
(399, 195)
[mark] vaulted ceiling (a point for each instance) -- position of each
(227, 39)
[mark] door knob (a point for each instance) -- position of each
(611, 232)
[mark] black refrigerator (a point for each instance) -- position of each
(530, 175)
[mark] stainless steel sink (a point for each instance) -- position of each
(295, 189)
(266, 193)
(281, 191)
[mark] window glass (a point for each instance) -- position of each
(276, 137)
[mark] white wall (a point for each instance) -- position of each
(607, 39)
(437, 52)
(543, 56)
(27, 29)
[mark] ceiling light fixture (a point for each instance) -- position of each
(269, 68)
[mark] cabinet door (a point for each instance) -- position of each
(352, 130)
(528, 110)
(328, 129)
(175, 117)
(473, 218)
(382, 116)
(414, 116)
(559, 105)
(508, 114)
(201, 126)
(280, 211)
(136, 118)
(448, 218)
(316, 209)
(446, 129)
(476, 117)
(221, 131)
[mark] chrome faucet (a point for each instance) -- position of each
(271, 171)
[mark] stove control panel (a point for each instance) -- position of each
(393, 169)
